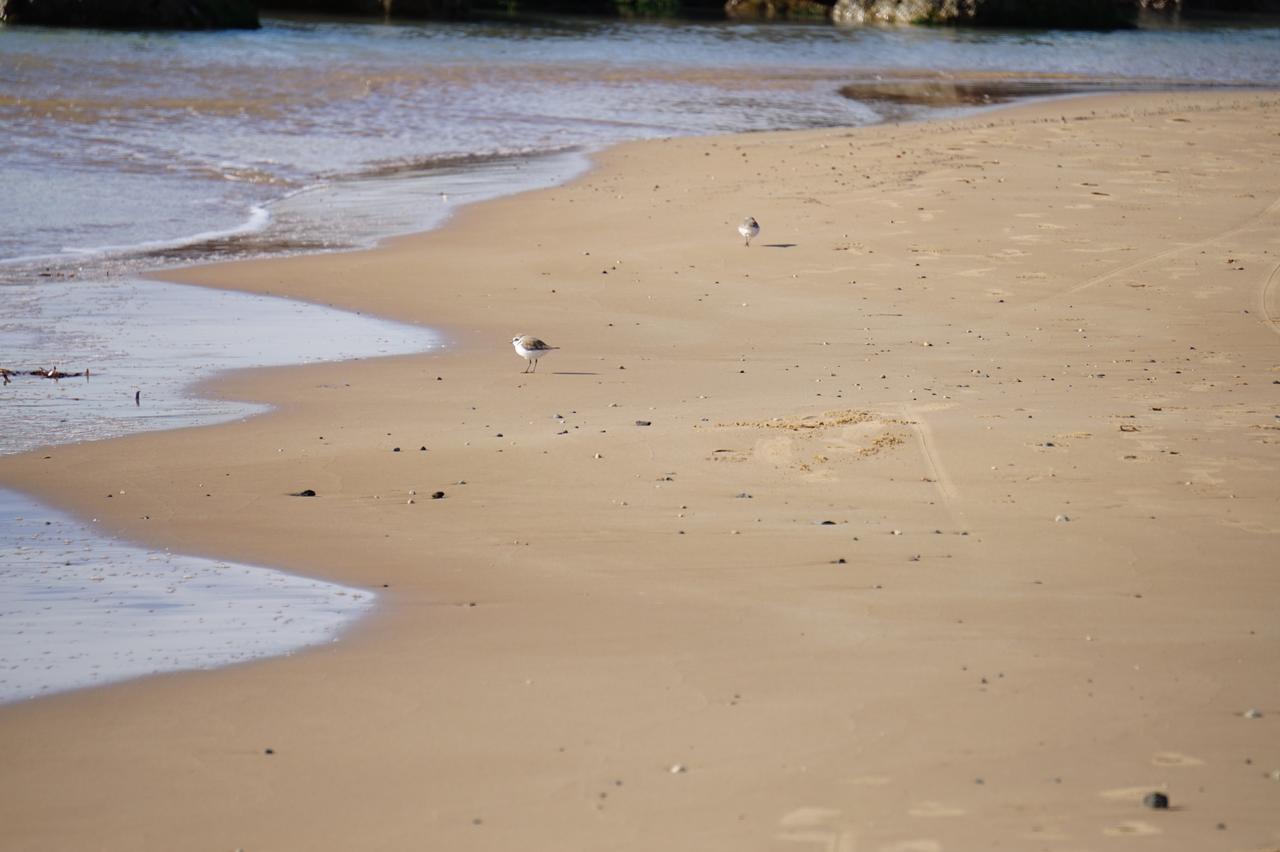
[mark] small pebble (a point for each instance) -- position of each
(644, 423)
(437, 495)
(1061, 519)
(1159, 801)
(304, 493)
(1253, 713)
(677, 768)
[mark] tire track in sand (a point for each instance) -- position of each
(1254, 221)
(914, 416)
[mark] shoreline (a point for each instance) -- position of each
(691, 663)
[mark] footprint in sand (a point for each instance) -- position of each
(923, 845)
(1131, 828)
(1126, 794)
(1173, 758)
(933, 810)
(814, 825)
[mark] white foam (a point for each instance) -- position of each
(156, 340)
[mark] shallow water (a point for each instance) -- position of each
(78, 609)
(145, 343)
(125, 139)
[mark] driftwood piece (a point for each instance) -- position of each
(42, 373)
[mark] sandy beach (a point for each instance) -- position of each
(945, 516)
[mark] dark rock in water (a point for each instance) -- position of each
(304, 493)
(771, 9)
(133, 14)
(1159, 801)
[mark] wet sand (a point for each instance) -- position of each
(942, 517)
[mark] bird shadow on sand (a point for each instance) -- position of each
(778, 245)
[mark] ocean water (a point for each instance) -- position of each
(144, 343)
(139, 149)
(81, 609)
(133, 151)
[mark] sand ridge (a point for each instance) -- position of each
(1053, 581)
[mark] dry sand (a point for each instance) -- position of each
(1025, 363)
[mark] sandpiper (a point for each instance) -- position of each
(749, 228)
(531, 349)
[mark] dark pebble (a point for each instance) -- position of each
(1159, 801)
(422, 449)
(841, 561)
(268, 751)
(304, 493)
(644, 423)
(744, 496)
(826, 523)
(395, 449)
(437, 495)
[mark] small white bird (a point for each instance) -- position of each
(531, 349)
(749, 228)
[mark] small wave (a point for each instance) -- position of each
(259, 218)
(439, 162)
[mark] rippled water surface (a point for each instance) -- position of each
(119, 140)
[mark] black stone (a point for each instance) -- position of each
(304, 493)
(437, 495)
(1159, 801)
(644, 423)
